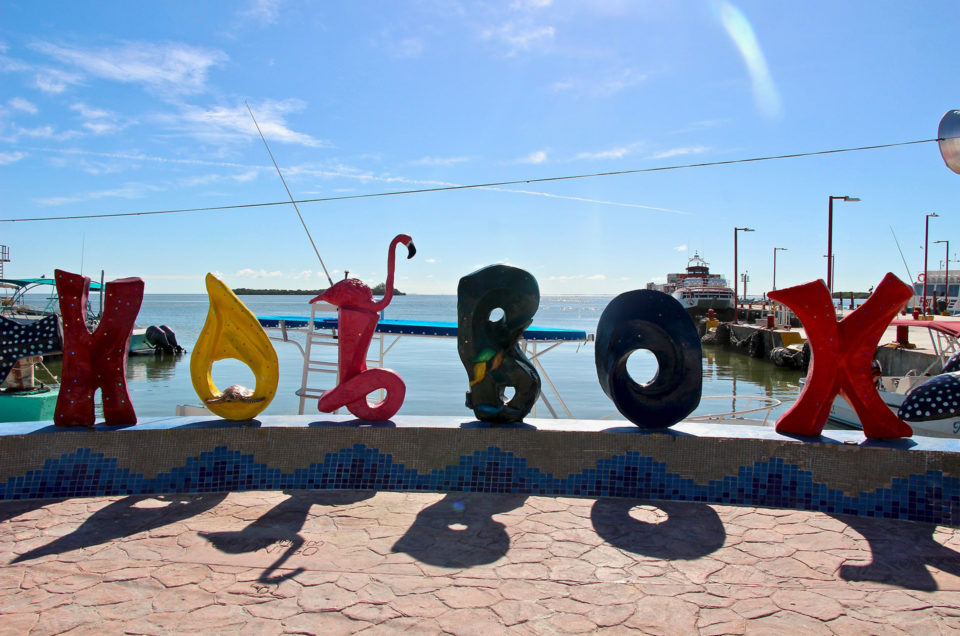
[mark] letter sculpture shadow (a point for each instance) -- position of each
(842, 357)
(96, 360)
(488, 342)
(232, 331)
(358, 317)
(650, 320)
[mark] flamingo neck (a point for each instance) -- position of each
(391, 265)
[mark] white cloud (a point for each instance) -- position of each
(55, 81)
(44, 132)
(250, 175)
(305, 274)
(433, 260)
(408, 47)
(538, 156)
(676, 152)
(18, 103)
(98, 121)
(262, 11)
(604, 86)
(89, 113)
(90, 167)
(530, 4)
(700, 125)
(338, 170)
(586, 200)
(680, 248)
(126, 191)
(168, 67)
(199, 180)
(168, 276)
(100, 127)
(6, 158)
(221, 123)
(520, 38)
(9, 65)
(256, 273)
(128, 157)
(439, 161)
(597, 277)
(612, 153)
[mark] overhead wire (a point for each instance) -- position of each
(284, 181)
(475, 186)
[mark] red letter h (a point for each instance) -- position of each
(99, 359)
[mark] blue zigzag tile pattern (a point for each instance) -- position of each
(931, 497)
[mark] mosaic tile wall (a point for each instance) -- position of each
(915, 485)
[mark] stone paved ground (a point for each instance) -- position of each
(344, 562)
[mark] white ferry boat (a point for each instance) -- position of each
(946, 296)
(698, 290)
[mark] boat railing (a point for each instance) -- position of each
(764, 405)
(320, 333)
(754, 404)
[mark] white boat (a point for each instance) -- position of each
(143, 339)
(698, 290)
(897, 390)
(941, 295)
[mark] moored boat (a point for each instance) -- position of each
(15, 307)
(903, 393)
(698, 290)
(942, 289)
(25, 399)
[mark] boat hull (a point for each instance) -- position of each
(842, 413)
(28, 406)
(698, 307)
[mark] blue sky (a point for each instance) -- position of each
(112, 107)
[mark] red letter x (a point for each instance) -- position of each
(842, 355)
(99, 359)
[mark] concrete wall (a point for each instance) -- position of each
(839, 472)
(896, 361)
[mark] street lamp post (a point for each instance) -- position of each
(926, 237)
(830, 239)
(946, 276)
(736, 296)
(775, 250)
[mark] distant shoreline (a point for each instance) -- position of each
(246, 291)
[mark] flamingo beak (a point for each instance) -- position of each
(411, 250)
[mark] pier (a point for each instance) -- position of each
(758, 339)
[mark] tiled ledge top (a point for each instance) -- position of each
(682, 429)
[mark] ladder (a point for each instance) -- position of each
(4, 258)
(320, 363)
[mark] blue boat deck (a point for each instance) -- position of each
(421, 328)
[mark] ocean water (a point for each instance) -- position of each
(436, 380)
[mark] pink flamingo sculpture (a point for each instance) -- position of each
(358, 317)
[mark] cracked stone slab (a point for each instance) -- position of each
(348, 562)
